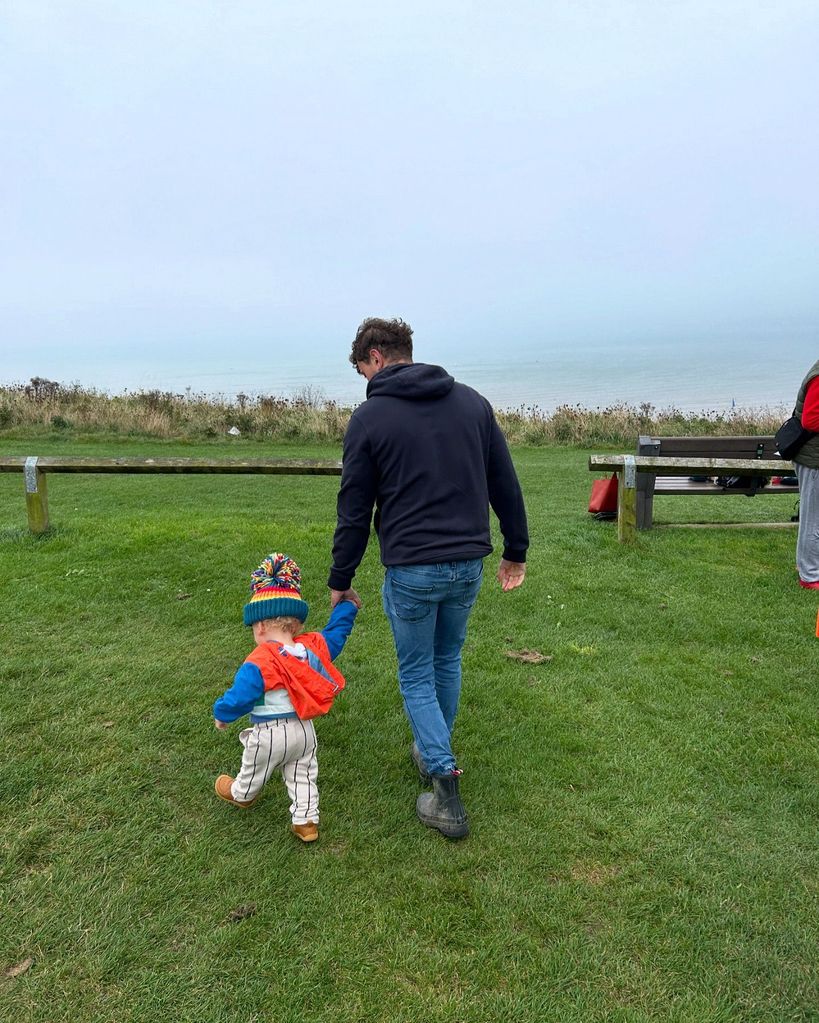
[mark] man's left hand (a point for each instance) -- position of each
(511, 574)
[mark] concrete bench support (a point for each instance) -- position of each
(36, 497)
(627, 501)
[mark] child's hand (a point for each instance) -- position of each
(221, 725)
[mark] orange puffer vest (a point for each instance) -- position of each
(312, 685)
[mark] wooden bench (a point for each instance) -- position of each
(35, 468)
(726, 448)
(630, 467)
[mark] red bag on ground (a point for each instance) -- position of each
(604, 495)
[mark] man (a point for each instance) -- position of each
(806, 461)
(427, 453)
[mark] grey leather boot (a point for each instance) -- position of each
(418, 760)
(442, 808)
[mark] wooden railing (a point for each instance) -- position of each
(34, 470)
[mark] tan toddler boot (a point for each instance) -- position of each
(306, 832)
(222, 789)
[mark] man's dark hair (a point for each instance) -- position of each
(393, 338)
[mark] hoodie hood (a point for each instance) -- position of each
(415, 381)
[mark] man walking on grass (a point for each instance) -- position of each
(427, 453)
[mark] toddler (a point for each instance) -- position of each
(287, 680)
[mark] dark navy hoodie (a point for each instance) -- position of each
(427, 453)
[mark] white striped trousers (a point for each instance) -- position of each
(287, 745)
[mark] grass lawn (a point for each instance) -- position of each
(643, 804)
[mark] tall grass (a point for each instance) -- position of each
(620, 424)
(45, 407)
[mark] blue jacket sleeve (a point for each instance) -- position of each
(246, 691)
(339, 627)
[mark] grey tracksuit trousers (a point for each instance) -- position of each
(807, 544)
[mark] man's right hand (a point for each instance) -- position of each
(336, 597)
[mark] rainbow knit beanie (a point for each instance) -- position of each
(275, 591)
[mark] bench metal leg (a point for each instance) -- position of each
(36, 497)
(645, 483)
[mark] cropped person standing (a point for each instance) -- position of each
(807, 471)
(427, 453)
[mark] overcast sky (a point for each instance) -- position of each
(212, 183)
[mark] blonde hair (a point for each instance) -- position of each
(287, 623)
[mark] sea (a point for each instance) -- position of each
(692, 376)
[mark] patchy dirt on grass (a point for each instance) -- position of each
(529, 656)
(594, 873)
(18, 969)
(241, 913)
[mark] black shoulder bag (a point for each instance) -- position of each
(791, 437)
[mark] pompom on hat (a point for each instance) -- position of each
(275, 591)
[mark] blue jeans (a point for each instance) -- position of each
(428, 607)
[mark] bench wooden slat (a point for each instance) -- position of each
(695, 466)
(714, 447)
(268, 466)
(680, 485)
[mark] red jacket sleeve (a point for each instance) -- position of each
(810, 410)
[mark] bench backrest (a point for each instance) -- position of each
(707, 447)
